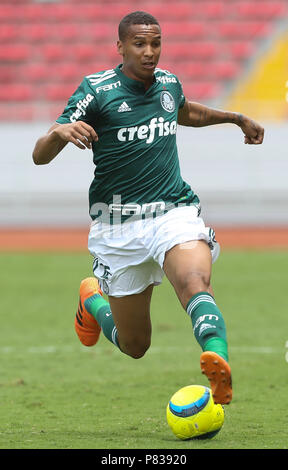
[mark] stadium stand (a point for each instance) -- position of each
(264, 92)
(46, 47)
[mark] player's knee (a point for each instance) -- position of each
(136, 348)
(194, 282)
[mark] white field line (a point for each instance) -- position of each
(53, 349)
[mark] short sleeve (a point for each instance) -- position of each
(81, 106)
(182, 96)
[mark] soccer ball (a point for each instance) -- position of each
(192, 413)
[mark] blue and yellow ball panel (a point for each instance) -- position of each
(191, 408)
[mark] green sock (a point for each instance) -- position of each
(208, 324)
(101, 311)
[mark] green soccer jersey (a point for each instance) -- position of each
(136, 155)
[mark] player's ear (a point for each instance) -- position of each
(120, 47)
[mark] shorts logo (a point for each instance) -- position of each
(167, 101)
(105, 289)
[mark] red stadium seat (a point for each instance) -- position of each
(66, 72)
(49, 32)
(104, 11)
(223, 70)
(100, 31)
(85, 52)
(239, 49)
(14, 53)
(17, 112)
(47, 12)
(54, 52)
(220, 70)
(212, 9)
(67, 32)
(194, 69)
(35, 32)
(202, 90)
(51, 46)
(7, 73)
(203, 49)
(186, 30)
(39, 71)
(7, 13)
(244, 29)
(177, 11)
(87, 12)
(16, 92)
(261, 9)
(59, 92)
(189, 50)
(8, 32)
(33, 72)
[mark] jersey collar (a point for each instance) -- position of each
(130, 82)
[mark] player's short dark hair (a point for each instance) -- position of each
(137, 17)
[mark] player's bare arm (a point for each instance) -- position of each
(50, 145)
(198, 115)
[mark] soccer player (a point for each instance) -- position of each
(145, 219)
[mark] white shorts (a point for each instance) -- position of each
(129, 257)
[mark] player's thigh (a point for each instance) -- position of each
(131, 316)
(188, 268)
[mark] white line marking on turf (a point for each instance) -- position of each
(53, 349)
(255, 350)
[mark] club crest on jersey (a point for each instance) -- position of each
(167, 101)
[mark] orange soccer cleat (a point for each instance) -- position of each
(86, 327)
(218, 372)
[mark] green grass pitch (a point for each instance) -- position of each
(57, 394)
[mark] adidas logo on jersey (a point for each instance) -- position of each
(124, 107)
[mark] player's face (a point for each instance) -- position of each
(141, 51)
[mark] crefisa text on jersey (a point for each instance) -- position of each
(147, 133)
(81, 105)
(165, 80)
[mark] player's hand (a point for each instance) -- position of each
(254, 133)
(79, 133)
